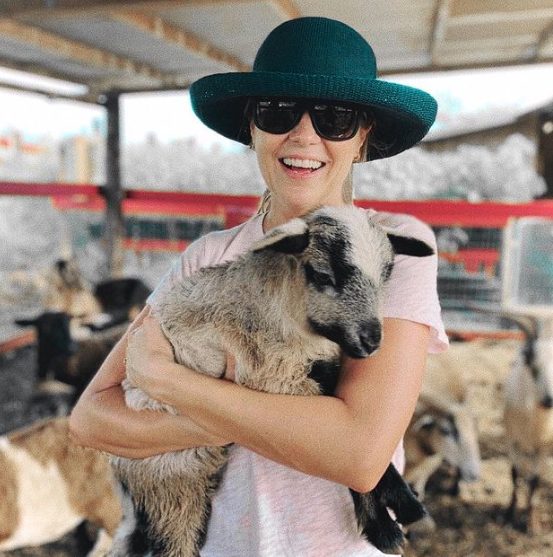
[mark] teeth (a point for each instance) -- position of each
(303, 163)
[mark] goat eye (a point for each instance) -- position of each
(319, 278)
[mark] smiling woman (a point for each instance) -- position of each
(311, 108)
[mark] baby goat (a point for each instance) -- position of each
(306, 290)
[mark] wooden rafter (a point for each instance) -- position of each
(439, 27)
(73, 50)
(33, 68)
(544, 37)
(492, 17)
(446, 66)
(30, 8)
(288, 8)
(156, 26)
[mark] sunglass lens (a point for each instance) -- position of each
(276, 116)
(334, 121)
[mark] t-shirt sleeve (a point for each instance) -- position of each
(412, 292)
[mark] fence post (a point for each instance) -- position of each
(114, 224)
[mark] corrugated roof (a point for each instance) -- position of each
(156, 44)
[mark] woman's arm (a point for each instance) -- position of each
(101, 419)
(349, 439)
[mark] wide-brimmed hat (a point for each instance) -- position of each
(319, 58)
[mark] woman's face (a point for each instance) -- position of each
(302, 170)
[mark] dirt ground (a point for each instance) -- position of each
(470, 525)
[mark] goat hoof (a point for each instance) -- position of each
(413, 512)
(389, 539)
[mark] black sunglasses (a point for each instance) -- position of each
(331, 120)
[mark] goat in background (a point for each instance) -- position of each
(528, 417)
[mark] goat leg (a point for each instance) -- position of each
(394, 492)
(376, 524)
(533, 521)
(511, 512)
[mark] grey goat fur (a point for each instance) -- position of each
(306, 291)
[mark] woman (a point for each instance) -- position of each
(310, 108)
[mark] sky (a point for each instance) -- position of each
(168, 116)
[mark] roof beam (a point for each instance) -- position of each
(75, 51)
(33, 68)
(544, 37)
(465, 65)
(157, 27)
(58, 95)
(439, 26)
(288, 8)
(491, 17)
(23, 8)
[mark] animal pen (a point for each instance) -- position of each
(70, 219)
(157, 225)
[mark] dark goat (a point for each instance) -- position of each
(62, 357)
(122, 298)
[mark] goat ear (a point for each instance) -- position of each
(406, 245)
(25, 322)
(292, 238)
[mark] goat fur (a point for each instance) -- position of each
(304, 291)
(49, 485)
(528, 417)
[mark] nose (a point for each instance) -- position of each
(370, 335)
(547, 402)
(304, 132)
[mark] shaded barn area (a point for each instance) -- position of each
(468, 525)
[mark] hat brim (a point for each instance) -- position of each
(403, 115)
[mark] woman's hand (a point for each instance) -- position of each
(148, 352)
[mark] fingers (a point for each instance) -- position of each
(146, 312)
(230, 368)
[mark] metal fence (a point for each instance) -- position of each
(53, 221)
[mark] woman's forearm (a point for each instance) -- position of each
(292, 430)
(103, 421)
(348, 439)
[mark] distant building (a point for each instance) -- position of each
(82, 159)
(12, 144)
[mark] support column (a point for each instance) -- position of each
(545, 148)
(114, 224)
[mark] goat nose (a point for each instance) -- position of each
(371, 335)
(547, 402)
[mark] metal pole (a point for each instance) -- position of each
(114, 224)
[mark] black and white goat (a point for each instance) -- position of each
(528, 416)
(307, 290)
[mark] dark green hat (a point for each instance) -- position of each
(316, 57)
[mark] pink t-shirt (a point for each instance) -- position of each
(265, 509)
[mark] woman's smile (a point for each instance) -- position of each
(299, 167)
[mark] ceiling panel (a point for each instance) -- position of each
(151, 44)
